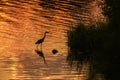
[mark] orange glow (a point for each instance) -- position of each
(23, 22)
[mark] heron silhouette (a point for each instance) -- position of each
(40, 41)
(40, 53)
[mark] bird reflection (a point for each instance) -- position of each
(40, 41)
(41, 54)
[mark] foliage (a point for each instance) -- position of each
(100, 46)
(97, 45)
(83, 41)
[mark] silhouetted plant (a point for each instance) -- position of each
(113, 50)
(83, 41)
(98, 45)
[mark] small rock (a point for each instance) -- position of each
(54, 51)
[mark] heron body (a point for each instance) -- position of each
(40, 41)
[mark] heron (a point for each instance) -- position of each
(40, 53)
(40, 41)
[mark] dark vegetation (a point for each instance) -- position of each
(98, 45)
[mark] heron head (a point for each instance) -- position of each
(46, 32)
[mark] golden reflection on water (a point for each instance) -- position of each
(23, 22)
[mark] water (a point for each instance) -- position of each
(23, 22)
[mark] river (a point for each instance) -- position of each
(23, 22)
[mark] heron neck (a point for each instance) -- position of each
(44, 35)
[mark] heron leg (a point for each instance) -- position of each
(41, 46)
(44, 60)
(37, 46)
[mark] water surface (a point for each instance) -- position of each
(23, 22)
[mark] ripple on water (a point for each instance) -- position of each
(23, 22)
